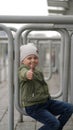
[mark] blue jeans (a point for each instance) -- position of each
(53, 114)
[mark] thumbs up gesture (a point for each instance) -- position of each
(29, 74)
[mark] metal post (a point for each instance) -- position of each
(0, 63)
(61, 65)
(25, 36)
(66, 65)
(71, 71)
(10, 78)
(14, 30)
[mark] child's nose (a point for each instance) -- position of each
(33, 59)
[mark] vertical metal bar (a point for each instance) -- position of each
(62, 61)
(61, 65)
(50, 63)
(71, 71)
(25, 36)
(4, 61)
(0, 63)
(66, 66)
(10, 78)
(20, 115)
(11, 82)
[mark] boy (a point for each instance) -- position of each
(34, 93)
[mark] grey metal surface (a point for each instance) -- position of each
(10, 77)
(63, 19)
(71, 71)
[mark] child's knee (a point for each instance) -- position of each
(55, 125)
(70, 108)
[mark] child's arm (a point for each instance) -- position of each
(22, 74)
(30, 73)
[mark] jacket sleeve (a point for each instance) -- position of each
(22, 74)
(39, 76)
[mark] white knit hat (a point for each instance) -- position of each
(28, 49)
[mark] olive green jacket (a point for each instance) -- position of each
(32, 91)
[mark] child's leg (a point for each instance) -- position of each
(45, 113)
(44, 116)
(49, 120)
(63, 109)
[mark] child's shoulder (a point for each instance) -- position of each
(39, 71)
(22, 66)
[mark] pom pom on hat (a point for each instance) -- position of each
(28, 49)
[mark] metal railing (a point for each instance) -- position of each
(17, 61)
(34, 19)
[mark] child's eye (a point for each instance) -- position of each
(29, 58)
(35, 58)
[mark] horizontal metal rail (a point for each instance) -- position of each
(68, 19)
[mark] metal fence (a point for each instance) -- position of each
(13, 49)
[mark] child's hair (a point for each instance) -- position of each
(28, 49)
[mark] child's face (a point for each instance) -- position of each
(31, 61)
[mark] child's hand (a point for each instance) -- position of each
(29, 74)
